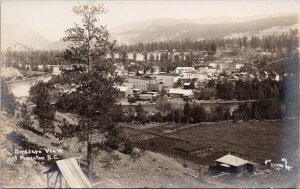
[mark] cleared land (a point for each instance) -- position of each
(198, 146)
(256, 141)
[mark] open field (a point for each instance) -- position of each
(256, 141)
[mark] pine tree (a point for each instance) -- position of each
(96, 94)
(187, 112)
(7, 100)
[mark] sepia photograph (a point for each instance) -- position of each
(149, 94)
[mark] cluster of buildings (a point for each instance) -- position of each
(176, 83)
(179, 83)
(147, 84)
(182, 81)
(56, 69)
(232, 164)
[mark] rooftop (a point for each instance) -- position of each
(72, 173)
(232, 160)
(180, 91)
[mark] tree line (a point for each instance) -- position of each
(269, 42)
(242, 89)
(19, 59)
(195, 113)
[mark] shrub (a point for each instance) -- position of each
(128, 147)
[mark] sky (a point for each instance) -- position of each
(51, 18)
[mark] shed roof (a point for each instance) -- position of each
(73, 174)
(232, 160)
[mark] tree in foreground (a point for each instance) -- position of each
(25, 121)
(7, 100)
(90, 42)
(96, 94)
(43, 109)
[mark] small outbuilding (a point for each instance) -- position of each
(70, 170)
(233, 164)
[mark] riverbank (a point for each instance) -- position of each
(40, 77)
(20, 88)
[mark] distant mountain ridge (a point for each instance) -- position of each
(173, 29)
(20, 37)
(17, 36)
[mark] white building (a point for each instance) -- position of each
(166, 80)
(239, 66)
(195, 75)
(177, 92)
(125, 91)
(211, 70)
(213, 64)
(56, 70)
(184, 69)
(141, 82)
(40, 67)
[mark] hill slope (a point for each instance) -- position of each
(20, 37)
(172, 29)
(17, 36)
(149, 170)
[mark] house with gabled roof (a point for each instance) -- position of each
(274, 75)
(234, 164)
(184, 69)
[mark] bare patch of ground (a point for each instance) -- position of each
(13, 174)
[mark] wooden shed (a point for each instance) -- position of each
(233, 164)
(70, 170)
